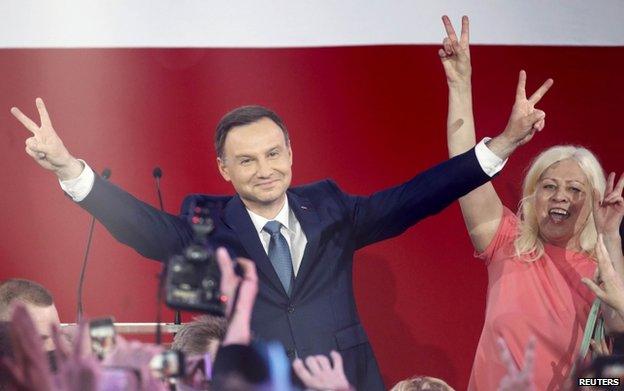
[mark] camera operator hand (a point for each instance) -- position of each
(239, 313)
(46, 147)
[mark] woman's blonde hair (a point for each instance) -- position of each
(529, 244)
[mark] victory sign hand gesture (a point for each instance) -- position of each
(525, 119)
(45, 146)
(455, 54)
(609, 212)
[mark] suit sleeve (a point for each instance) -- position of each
(390, 212)
(151, 232)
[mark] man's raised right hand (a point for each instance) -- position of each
(45, 146)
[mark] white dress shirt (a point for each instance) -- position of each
(291, 229)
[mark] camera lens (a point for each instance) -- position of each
(196, 253)
(184, 275)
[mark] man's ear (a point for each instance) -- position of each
(223, 169)
(290, 153)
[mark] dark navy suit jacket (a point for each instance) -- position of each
(321, 314)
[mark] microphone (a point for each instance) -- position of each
(157, 174)
(105, 175)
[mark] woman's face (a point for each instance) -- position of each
(562, 204)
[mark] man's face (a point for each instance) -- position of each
(44, 318)
(257, 160)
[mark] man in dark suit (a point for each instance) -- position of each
(302, 239)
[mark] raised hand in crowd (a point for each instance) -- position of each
(195, 376)
(135, 357)
(239, 312)
(609, 211)
(77, 368)
(609, 285)
(29, 368)
(517, 379)
(46, 147)
(524, 119)
(318, 373)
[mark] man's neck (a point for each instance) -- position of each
(268, 211)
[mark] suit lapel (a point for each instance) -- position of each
(236, 217)
(310, 223)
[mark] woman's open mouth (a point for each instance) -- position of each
(558, 214)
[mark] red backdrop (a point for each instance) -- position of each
(369, 117)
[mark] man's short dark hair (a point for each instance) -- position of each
(194, 337)
(241, 116)
(25, 291)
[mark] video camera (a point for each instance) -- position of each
(193, 277)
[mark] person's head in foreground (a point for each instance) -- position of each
(418, 383)
(202, 335)
(38, 302)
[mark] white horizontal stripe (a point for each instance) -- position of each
(290, 23)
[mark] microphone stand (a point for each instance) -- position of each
(157, 174)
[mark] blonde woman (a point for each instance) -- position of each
(535, 259)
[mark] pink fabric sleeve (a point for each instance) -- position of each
(503, 239)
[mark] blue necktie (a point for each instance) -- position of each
(279, 254)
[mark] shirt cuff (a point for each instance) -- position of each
(489, 162)
(79, 188)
